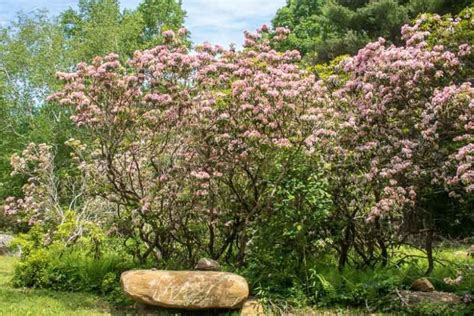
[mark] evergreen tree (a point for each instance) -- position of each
(325, 29)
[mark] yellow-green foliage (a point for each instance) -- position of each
(324, 71)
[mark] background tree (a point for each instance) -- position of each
(161, 15)
(98, 27)
(325, 29)
(31, 51)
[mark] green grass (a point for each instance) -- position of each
(40, 302)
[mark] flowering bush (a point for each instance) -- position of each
(135, 116)
(189, 142)
(41, 196)
(454, 33)
(406, 129)
(390, 89)
(48, 195)
(196, 150)
(253, 118)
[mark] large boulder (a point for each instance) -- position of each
(189, 290)
(5, 241)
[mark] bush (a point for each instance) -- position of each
(285, 245)
(93, 263)
(73, 269)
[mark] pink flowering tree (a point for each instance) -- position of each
(41, 196)
(254, 118)
(135, 116)
(407, 130)
(454, 33)
(191, 147)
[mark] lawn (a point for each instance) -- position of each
(43, 302)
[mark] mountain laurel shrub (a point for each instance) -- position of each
(192, 147)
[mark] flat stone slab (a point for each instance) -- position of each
(189, 290)
(410, 297)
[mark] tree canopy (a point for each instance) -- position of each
(325, 29)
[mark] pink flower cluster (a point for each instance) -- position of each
(39, 201)
(407, 124)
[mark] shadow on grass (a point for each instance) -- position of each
(151, 310)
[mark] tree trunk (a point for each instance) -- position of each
(429, 251)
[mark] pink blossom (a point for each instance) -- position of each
(201, 175)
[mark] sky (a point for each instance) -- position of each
(216, 21)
